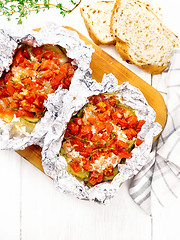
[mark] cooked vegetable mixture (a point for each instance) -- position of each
(35, 73)
(99, 137)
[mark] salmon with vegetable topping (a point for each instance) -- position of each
(99, 137)
(35, 73)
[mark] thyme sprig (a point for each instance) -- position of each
(22, 8)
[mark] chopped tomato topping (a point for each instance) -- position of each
(103, 117)
(139, 125)
(85, 130)
(139, 142)
(132, 121)
(73, 127)
(22, 112)
(124, 154)
(116, 116)
(112, 101)
(100, 127)
(122, 144)
(37, 51)
(95, 138)
(101, 106)
(92, 120)
(78, 121)
(97, 98)
(109, 127)
(86, 164)
(75, 166)
(48, 54)
(123, 123)
(130, 133)
(96, 177)
(56, 80)
(19, 58)
(108, 171)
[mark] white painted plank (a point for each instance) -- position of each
(48, 214)
(166, 222)
(10, 177)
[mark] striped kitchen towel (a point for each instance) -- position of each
(159, 181)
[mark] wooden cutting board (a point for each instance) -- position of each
(104, 63)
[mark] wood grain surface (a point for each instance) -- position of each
(104, 63)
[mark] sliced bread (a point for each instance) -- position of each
(141, 37)
(97, 20)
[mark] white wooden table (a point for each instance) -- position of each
(32, 209)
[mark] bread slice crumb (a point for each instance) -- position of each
(141, 38)
(97, 20)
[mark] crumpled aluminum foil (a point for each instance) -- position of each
(50, 34)
(55, 165)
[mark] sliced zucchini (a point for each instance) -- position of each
(110, 178)
(53, 48)
(128, 110)
(31, 120)
(6, 118)
(29, 125)
(131, 145)
(81, 175)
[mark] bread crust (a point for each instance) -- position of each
(92, 34)
(90, 31)
(122, 49)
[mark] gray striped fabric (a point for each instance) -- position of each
(159, 181)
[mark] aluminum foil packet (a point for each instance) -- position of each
(55, 165)
(50, 34)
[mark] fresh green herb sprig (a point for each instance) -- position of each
(22, 8)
